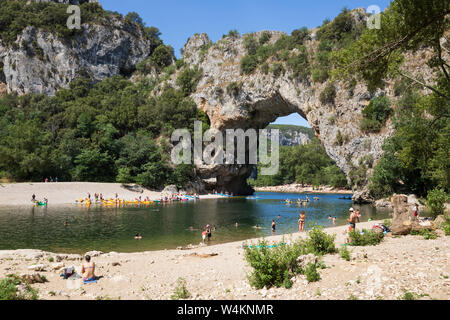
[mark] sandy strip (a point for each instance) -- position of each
(68, 192)
(219, 272)
(297, 188)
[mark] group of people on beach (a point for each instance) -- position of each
(51, 179)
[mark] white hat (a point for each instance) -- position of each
(351, 209)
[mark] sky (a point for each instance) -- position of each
(178, 20)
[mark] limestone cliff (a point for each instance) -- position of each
(260, 98)
(40, 61)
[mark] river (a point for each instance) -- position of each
(166, 226)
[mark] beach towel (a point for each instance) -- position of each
(89, 281)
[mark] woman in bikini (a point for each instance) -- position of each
(301, 222)
(88, 269)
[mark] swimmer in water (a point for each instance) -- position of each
(138, 236)
(258, 227)
(236, 224)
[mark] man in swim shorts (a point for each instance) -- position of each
(352, 220)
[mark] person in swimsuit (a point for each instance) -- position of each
(208, 232)
(88, 269)
(358, 215)
(301, 222)
(203, 235)
(273, 226)
(352, 220)
(416, 210)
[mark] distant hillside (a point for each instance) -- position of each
(291, 135)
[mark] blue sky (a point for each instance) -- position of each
(178, 20)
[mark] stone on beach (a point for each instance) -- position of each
(37, 267)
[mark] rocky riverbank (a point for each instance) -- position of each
(386, 271)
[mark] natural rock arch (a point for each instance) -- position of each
(258, 99)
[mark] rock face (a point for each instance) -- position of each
(292, 137)
(41, 62)
(262, 98)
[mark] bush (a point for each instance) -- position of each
(339, 139)
(311, 273)
(300, 64)
(233, 88)
(181, 292)
(446, 227)
(425, 233)
(368, 238)
(251, 44)
(320, 75)
(265, 37)
(9, 291)
(273, 266)
(277, 69)
(328, 94)
(319, 242)
(345, 254)
(232, 34)
(249, 63)
(188, 80)
(436, 199)
(375, 114)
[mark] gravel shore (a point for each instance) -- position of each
(384, 271)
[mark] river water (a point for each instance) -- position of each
(166, 226)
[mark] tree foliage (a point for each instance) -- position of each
(305, 164)
(95, 132)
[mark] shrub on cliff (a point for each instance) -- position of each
(249, 63)
(375, 114)
(188, 80)
(328, 94)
